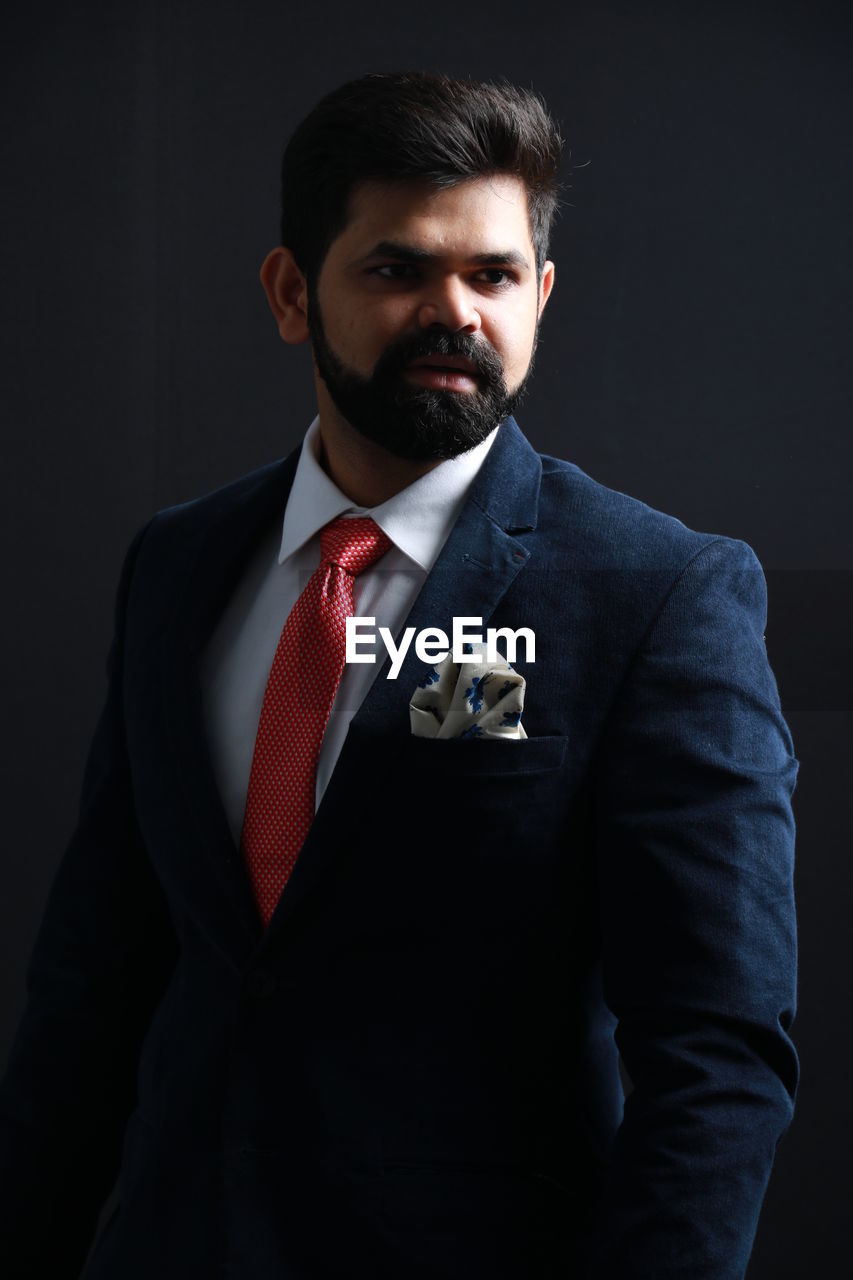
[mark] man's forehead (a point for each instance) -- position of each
(489, 209)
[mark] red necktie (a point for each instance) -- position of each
(303, 680)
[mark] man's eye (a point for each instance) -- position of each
(395, 270)
(496, 276)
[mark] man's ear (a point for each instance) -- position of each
(287, 293)
(546, 284)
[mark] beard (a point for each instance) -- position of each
(411, 421)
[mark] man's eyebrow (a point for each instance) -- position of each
(410, 253)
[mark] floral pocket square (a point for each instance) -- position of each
(472, 699)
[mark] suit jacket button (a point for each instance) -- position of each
(261, 985)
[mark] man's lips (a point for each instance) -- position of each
(444, 373)
(445, 362)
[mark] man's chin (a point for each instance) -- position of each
(433, 432)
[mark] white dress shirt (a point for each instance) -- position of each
(237, 659)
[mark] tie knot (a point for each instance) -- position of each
(354, 543)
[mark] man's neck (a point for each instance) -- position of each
(364, 471)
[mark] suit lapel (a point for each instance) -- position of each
(213, 561)
(473, 572)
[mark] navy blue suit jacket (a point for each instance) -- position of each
(412, 1072)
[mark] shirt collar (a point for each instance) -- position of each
(418, 519)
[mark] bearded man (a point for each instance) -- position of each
(335, 995)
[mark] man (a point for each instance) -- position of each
(339, 998)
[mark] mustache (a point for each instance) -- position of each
(486, 361)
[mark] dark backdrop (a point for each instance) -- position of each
(696, 353)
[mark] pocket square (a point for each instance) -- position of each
(472, 699)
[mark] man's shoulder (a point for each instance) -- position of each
(625, 559)
(584, 524)
(269, 480)
(244, 506)
(610, 525)
(181, 546)
(603, 527)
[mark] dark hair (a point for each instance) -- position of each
(413, 126)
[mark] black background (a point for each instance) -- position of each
(695, 353)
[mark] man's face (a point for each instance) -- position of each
(424, 317)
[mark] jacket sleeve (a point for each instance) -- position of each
(695, 860)
(101, 960)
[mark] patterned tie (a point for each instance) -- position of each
(304, 678)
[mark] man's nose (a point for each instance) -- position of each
(449, 303)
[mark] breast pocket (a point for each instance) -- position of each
(485, 757)
(492, 794)
(464, 825)
(465, 787)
